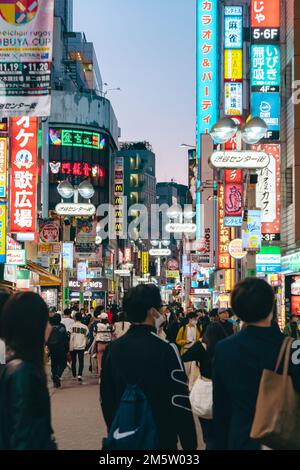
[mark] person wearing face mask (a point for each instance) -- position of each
(292, 328)
(141, 357)
(189, 334)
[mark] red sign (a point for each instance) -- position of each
(24, 132)
(232, 143)
(224, 233)
(265, 13)
(173, 265)
(49, 232)
(233, 193)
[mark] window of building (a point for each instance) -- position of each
(134, 198)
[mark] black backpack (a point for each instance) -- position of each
(56, 338)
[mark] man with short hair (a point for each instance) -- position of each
(78, 340)
(292, 328)
(141, 357)
(58, 345)
(239, 364)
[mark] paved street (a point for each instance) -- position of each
(76, 416)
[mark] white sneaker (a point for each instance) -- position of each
(79, 379)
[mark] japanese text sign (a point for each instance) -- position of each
(233, 30)
(26, 43)
(224, 233)
(233, 64)
(207, 66)
(2, 232)
(265, 67)
(233, 99)
(268, 191)
(267, 107)
(23, 175)
(265, 13)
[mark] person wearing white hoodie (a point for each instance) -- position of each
(78, 340)
(103, 333)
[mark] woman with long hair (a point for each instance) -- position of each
(25, 418)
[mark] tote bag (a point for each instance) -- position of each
(277, 417)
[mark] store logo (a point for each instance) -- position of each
(24, 159)
(265, 107)
(18, 12)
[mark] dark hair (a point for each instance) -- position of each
(191, 315)
(98, 310)
(252, 300)
(55, 320)
(67, 311)
(294, 315)
(78, 316)
(4, 296)
(139, 300)
(23, 325)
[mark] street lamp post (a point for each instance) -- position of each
(67, 191)
(252, 133)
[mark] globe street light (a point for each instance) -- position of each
(86, 190)
(254, 131)
(65, 190)
(223, 130)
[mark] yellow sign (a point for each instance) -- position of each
(2, 232)
(172, 274)
(233, 64)
(145, 262)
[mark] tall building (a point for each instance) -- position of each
(171, 193)
(139, 173)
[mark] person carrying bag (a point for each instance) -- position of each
(277, 417)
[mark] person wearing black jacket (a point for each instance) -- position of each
(220, 329)
(25, 417)
(141, 357)
(239, 363)
(58, 345)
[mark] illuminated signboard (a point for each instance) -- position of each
(23, 208)
(252, 234)
(267, 107)
(77, 169)
(224, 233)
(3, 166)
(233, 28)
(233, 69)
(265, 68)
(233, 198)
(2, 232)
(268, 193)
(268, 260)
(265, 13)
(76, 138)
(233, 102)
(207, 66)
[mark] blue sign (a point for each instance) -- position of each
(268, 264)
(233, 221)
(267, 107)
(233, 32)
(207, 81)
(265, 67)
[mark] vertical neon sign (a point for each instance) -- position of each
(207, 81)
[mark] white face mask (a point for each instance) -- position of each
(159, 321)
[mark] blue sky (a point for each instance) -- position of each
(147, 48)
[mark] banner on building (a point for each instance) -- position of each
(3, 166)
(267, 107)
(145, 262)
(224, 233)
(207, 174)
(268, 193)
(265, 68)
(49, 231)
(26, 43)
(251, 236)
(233, 68)
(233, 27)
(233, 99)
(233, 198)
(23, 203)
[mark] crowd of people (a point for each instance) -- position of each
(159, 367)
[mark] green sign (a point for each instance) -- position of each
(76, 138)
(291, 263)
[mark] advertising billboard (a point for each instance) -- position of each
(26, 42)
(265, 13)
(252, 234)
(267, 107)
(3, 166)
(2, 232)
(233, 198)
(233, 27)
(268, 260)
(265, 68)
(268, 192)
(207, 66)
(224, 233)
(233, 99)
(23, 197)
(233, 64)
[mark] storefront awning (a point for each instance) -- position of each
(46, 279)
(8, 286)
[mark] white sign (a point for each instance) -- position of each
(16, 257)
(236, 249)
(82, 271)
(246, 159)
(266, 192)
(233, 99)
(72, 209)
(122, 272)
(201, 292)
(181, 228)
(160, 252)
